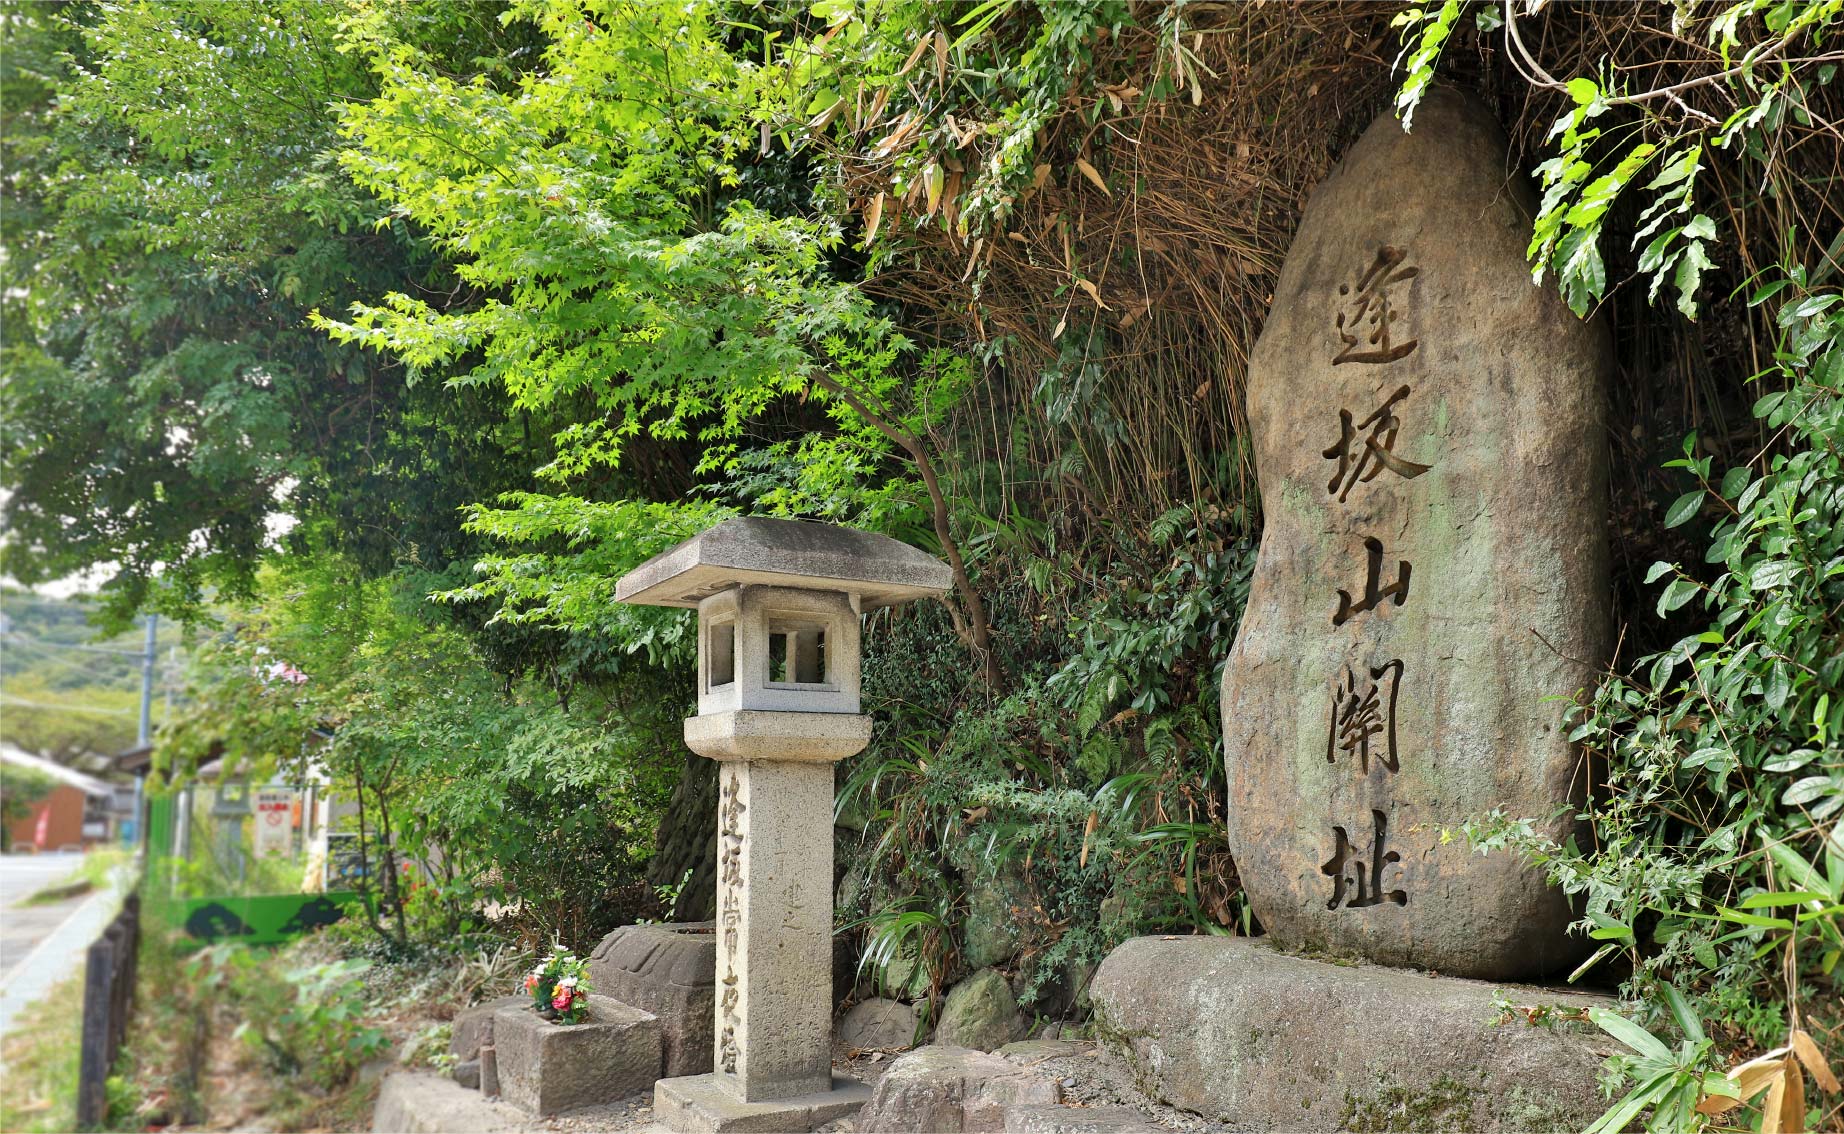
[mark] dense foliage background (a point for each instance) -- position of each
(379, 338)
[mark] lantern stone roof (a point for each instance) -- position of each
(786, 553)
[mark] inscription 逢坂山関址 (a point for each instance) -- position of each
(1365, 316)
(730, 916)
(1359, 715)
(1379, 451)
(1357, 883)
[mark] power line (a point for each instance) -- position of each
(55, 659)
(6, 700)
(21, 638)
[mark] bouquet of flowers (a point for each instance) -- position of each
(559, 988)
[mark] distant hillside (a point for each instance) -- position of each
(65, 692)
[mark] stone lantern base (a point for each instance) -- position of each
(700, 1104)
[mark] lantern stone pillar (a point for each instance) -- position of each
(779, 605)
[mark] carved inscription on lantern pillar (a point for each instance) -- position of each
(730, 809)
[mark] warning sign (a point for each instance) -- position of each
(275, 822)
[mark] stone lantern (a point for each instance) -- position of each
(779, 603)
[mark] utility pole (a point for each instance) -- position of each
(137, 834)
(147, 682)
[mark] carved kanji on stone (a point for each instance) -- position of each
(1378, 451)
(1362, 713)
(1366, 313)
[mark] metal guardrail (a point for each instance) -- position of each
(108, 996)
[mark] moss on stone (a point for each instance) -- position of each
(1446, 1104)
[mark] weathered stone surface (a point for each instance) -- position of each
(774, 929)
(1037, 1050)
(545, 1068)
(669, 970)
(416, 1102)
(879, 1025)
(703, 1104)
(1432, 566)
(473, 1026)
(793, 553)
(949, 1090)
(1041, 1119)
(1233, 1030)
(980, 1013)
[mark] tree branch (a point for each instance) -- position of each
(977, 631)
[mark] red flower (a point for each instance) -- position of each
(561, 1001)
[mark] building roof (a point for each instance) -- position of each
(88, 785)
(789, 553)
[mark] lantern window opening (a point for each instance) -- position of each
(798, 654)
(719, 654)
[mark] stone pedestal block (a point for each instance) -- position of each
(705, 1104)
(545, 1068)
(1235, 1031)
(670, 971)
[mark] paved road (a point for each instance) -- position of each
(42, 946)
(23, 927)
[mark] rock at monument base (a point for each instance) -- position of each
(545, 1068)
(950, 1090)
(1041, 1119)
(1233, 1030)
(1429, 431)
(701, 1104)
(412, 1102)
(980, 1013)
(473, 1027)
(467, 1074)
(669, 970)
(879, 1025)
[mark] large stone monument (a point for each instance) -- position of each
(778, 604)
(1428, 433)
(1429, 436)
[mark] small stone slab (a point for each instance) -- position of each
(1233, 1030)
(1041, 1119)
(701, 1104)
(545, 1068)
(951, 1090)
(879, 1025)
(669, 970)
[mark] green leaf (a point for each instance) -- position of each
(1677, 594)
(1773, 573)
(1806, 790)
(1630, 1034)
(1682, 509)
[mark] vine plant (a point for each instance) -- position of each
(1717, 872)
